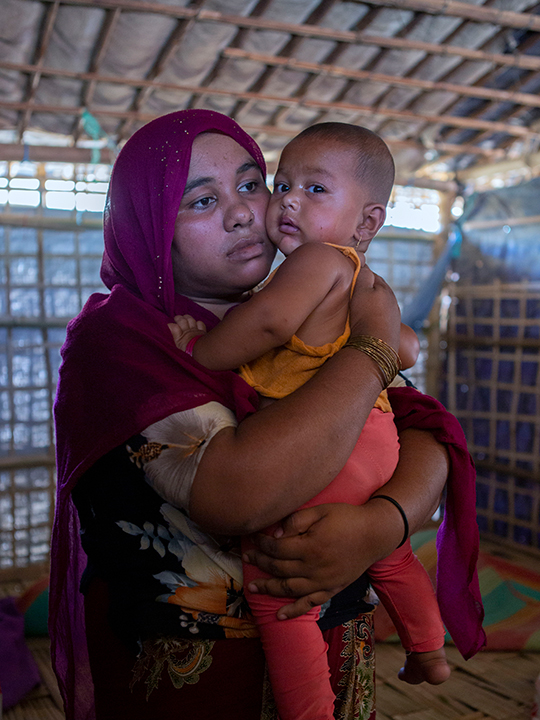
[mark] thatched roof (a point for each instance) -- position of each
(436, 78)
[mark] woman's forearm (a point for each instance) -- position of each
(282, 456)
(419, 478)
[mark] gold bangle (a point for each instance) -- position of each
(380, 352)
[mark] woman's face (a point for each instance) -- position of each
(220, 247)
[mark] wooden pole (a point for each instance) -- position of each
(336, 71)
(364, 110)
(467, 11)
(504, 18)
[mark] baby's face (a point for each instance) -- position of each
(316, 196)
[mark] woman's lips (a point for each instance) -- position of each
(246, 249)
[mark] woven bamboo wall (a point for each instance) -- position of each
(490, 380)
(48, 267)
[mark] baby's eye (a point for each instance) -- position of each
(202, 203)
(281, 187)
(316, 188)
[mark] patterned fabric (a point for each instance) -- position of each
(351, 653)
(175, 446)
(184, 660)
(165, 575)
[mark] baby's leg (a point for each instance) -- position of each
(295, 654)
(407, 594)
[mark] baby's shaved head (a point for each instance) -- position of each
(374, 166)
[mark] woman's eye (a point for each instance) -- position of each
(202, 202)
(250, 186)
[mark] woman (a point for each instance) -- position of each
(138, 422)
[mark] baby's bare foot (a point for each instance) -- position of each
(430, 667)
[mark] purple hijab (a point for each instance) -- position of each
(121, 371)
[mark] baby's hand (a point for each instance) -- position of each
(184, 329)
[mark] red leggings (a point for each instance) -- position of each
(295, 649)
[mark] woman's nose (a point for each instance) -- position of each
(238, 215)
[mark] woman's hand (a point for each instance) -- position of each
(374, 309)
(322, 550)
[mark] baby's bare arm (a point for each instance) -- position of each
(409, 347)
(274, 314)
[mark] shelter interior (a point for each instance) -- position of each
(452, 87)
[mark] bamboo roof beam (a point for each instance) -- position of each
(293, 44)
(35, 76)
(452, 120)
(417, 69)
(344, 92)
(51, 153)
(100, 48)
(467, 11)
(164, 56)
(394, 80)
(313, 31)
(281, 114)
(47, 153)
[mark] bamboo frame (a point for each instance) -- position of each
(466, 11)
(508, 470)
(33, 80)
(364, 110)
(412, 82)
(505, 18)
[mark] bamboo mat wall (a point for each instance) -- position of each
(491, 382)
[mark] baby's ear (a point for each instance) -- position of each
(372, 221)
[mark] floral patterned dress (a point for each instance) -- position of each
(174, 591)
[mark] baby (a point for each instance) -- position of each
(330, 194)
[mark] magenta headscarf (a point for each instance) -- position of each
(121, 371)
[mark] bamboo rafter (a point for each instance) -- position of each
(35, 76)
(466, 11)
(317, 32)
(45, 153)
(336, 71)
(451, 120)
(89, 87)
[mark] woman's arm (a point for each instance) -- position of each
(283, 455)
(323, 549)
